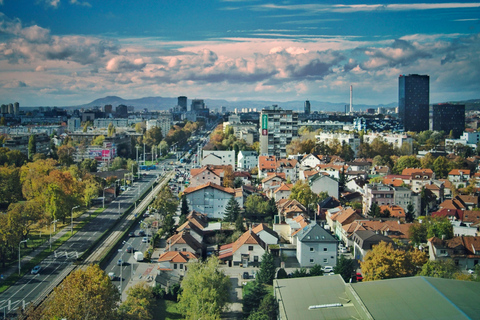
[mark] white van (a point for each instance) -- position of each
(138, 256)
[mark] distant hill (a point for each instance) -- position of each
(161, 103)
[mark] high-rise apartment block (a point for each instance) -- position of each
(278, 128)
(448, 117)
(413, 101)
(197, 104)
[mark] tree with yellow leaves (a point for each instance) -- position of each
(386, 262)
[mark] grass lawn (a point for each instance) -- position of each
(166, 310)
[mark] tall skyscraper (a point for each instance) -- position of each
(413, 101)
(448, 117)
(307, 107)
(197, 104)
(182, 102)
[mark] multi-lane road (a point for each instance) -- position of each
(32, 287)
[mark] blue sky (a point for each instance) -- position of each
(70, 52)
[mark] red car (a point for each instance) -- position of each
(359, 277)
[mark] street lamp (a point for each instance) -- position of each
(53, 222)
(121, 270)
(71, 228)
(19, 267)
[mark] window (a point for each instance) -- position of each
(325, 249)
(325, 260)
(311, 249)
(181, 266)
(312, 261)
(250, 248)
(255, 258)
(174, 266)
(184, 249)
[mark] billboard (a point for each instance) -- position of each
(264, 124)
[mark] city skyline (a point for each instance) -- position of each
(71, 52)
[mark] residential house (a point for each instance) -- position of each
(311, 160)
(247, 160)
(243, 176)
(206, 174)
(364, 240)
(211, 199)
(380, 171)
(272, 182)
(290, 227)
(315, 245)
(184, 241)
(459, 177)
(289, 167)
(359, 165)
(176, 261)
(290, 208)
(391, 228)
(265, 233)
(395, 211)
(217, 157)
(464, 250)
(282, 192)
(266, 164)
(333, 170)
(246, 251)
(324, 183)
(196, 223)
(342, 217)
(418, 177)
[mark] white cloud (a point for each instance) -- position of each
(80, 3)
(125, 64)
(40, 68)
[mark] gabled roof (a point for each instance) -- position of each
(177, 256)
(273, 176)
(328, 203)
(197, 171)
(248, 238)
(267, 162)
(183, 237)
(395, 211)
(263, 227)
(469, 243)
(447, 184)
(284, 187)
(459, 172)
(453, 204)
(366, 238)
(413, 171)
(457, 214)
(207, 185)
(286, 163)
(315, 233)
(347, 215)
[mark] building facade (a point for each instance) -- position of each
(448, 117)
(413, 101)
(278, 128)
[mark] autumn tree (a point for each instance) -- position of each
(65, 155)
(165, 202)
(138, 304)
(441, 167)
(439, 269)
(302, 193)
(430, 227)
(32, 146)
(25, 215)
(10, 187)
(111, 130)
(385, 262)
(206, 291)
(84, 294)
(228, 177)
(153, 136)
(406, 162)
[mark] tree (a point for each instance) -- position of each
(232, 210)
(165, 202)
(410, 213)
(266, 274)
(302, 193)
(65, 155)
(316, 270)
(439, 269)
(385, 262)
(431, 227)
(138, 303)
(111, 130)
(374, 210)
(184, 210)
(153, 136)
(206, 291)
(228, 177)
(441, 167)
(84, 294)
(267, 310)
(32, 146)
(10, 187)
(345, 267)
(406, 162)
(253, 294)
(255, 205)
(239, 224)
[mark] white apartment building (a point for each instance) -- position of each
(352, 139)
(217, 157)
(247, 160)
(396, 140)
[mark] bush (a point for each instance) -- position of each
(158, 292)
(282, 274)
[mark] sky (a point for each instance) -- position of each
(71, 52)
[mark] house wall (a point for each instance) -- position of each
(204, 177)
(283, 230)
(282, 195)
(325, 184)
(181, 247)
(308, 258)
(310, 161)
(209, 201)
(228, 157)
(257, 251)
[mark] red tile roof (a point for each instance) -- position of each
(177, 256)
(206, 185)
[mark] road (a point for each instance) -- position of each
(30, 287)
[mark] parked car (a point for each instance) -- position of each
(359, 277)
(112, 275)
(119, 262)
(131, 234)
(130, 250)
(141, 233)
(145, 240)
(342, 250)
(327, 269)
(246, 275)
(36, 270)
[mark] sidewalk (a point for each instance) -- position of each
(32, 254)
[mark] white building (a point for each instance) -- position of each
(278, 128)
(396, 140)
(210, 199)
(216, 157)
(315, 245)
(351, 139)
(247, 160)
